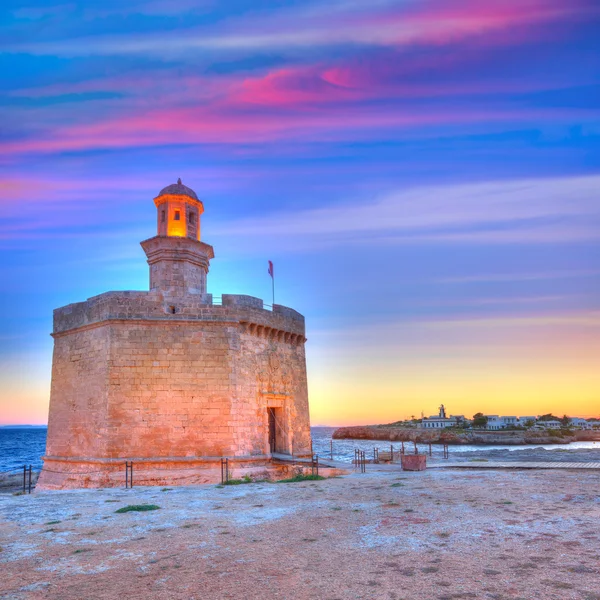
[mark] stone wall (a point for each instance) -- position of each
(132, 381)
(79, 394)
(271, 374)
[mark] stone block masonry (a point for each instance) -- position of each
(171, 382)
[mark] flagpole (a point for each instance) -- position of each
(272, 274)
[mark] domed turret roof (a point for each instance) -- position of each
(178, 189)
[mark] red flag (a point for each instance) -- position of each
(271, 269)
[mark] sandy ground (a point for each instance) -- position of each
(441, 535)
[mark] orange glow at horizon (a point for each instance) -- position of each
(375, 402)
(518, 370)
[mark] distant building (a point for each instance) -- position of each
(493, 422)
(585, 424)
(524, 420)
(550, 424)
(441, 421)
(580, 423)
(496, 422)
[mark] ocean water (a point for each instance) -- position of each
(26, 445)
(22, 446)
(343, 450)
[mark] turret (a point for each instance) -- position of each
(178, 260)
(179, 211)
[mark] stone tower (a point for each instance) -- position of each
(178, 259)
(172, 379)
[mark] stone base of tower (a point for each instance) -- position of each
(60, 474)
(173, 385)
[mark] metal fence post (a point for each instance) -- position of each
(128, 474)
(30, 479)
(24, 476)
(224, 471)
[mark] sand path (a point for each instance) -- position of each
(442, 535)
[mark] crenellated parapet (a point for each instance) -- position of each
(281, 323)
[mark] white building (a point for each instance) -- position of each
(523, 421)
(550, 424)
(496, 422)
(493, 422)
(584, 423)
(440, 420)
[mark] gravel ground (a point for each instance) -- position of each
(440, 535)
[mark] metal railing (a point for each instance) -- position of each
(218, 301)
(315, 465)
(360, 460)
(224, 471)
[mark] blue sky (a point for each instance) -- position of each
(424, 175)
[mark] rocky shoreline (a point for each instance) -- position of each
(509, 438)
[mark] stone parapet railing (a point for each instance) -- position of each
(155, 306)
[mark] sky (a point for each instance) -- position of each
(424, 174)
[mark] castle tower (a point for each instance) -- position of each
(178, 259)
(170, 381)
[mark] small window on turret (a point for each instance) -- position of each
(177, 216)
(162, 216)
(192, 218)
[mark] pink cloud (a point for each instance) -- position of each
(322, 99)
(293, 86)
(206, 125)
(441, 21)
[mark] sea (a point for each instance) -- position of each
(26, 445)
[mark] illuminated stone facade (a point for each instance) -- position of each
(170, 380)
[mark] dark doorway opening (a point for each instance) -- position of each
(272, 430)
